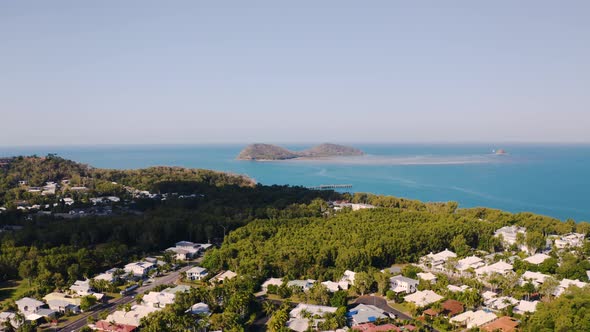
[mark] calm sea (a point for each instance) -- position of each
(553, 180)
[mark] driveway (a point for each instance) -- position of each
(381, 303)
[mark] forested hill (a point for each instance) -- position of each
(322, 248)
(18, 174)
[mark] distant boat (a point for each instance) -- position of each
(500, 151)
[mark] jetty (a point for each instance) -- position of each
(331, 186)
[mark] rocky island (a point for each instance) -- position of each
(274, 152)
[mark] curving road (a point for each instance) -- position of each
(113, 304)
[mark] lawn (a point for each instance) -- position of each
(403, 307)
(12, 289)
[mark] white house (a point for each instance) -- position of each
(271, 281)
(524, 307)
(196, 273)
(335, 286)
(348, 277)
(401, 284)
(9, 317)
(28, 305)
(566, 283)
(500, 303)
(221, 277)
(365, 313)
(471, 262)
(62, 302)
(458, 289)
(81, 288)
(131, 317)
(536, 259)
(509, 233)
(427, 276)
(472, 319)
(298, 316)
(109, 275)
(304, 285)
(500, 267)
(139, 269)
(436, 261)
(570, 240)
(423, 298)
(536, 278)
(158, 299)
(33, 309)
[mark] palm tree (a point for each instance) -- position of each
(268, 308)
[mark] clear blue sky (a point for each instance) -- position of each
(87, 72)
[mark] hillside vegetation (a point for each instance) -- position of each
(323, 247)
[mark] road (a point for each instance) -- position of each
(381, 303)
(113, 304)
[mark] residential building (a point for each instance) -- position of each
(370, 327)
(103, 325)
(335, 286)
(456, 289)
(536, 278)
(510, 233)
(452, 308)
(271, 281)
(348, 277)
(365, 313)
(9, 317)
(500, 267)
(524, 307)
(304, 285)
(471, 319)
(471, 262)
(571, 240)
(223, 276)
(63, 303)
(177, 289)
(139, 269)
(299, 320)
(110, 275)
(131, 317)
(401, 284)
(566, 283)
(423, 298)
(437, 261)
(536, 259)
(34, 310)
(197, 273)
(501, 303)
(502, 324)
(28, 305)
(427, 276)
(81, 287)
(158, 299)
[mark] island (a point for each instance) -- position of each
(260, 152)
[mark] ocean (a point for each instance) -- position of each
(552, 180)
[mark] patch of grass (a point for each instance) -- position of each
(403, 307)
(12, 289)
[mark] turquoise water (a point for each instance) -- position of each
(553, 180)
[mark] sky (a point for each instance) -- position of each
(145, 72)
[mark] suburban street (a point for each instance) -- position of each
(113, 304)
(381, 303)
